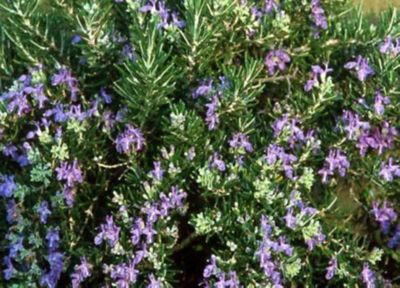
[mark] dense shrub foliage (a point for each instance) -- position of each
(220, 143)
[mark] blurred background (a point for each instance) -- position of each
(377, 5)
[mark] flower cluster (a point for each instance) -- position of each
(64, 77)
(318, 15)
(276, 59)
(361, 67)
(71, 174)
(377, 138)
(222, 279)
(336, 160)
(130, 140)
(81, 272)
(276, 153)
(317, 72)
(389, 170)
(108, 232)
(158, 7)
(390, 46)
(55, 259)
(268, 249)
(26, 92)
(241, 141)
(385, 215)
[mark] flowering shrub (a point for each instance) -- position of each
(229, 143)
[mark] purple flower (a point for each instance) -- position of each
(315, 240)
(128, 53)
(394, 241)
(173, 201)
(331, 269)
(38, 94)
(153, 282)
(10, 150)
(108, 118)
(71, 173)
(69, 195)
(157, 172)
(336, 160)
(310, 211)
(387, 46)
(124, 274)
(204, 89)
(121, 114)
(43, 211)
(21, 158)
(106, 97)
(81, 272)
(317, 71)
(290, 219)
(149, 232)
(56, 261)
(276, 59)
(8, 187)
(276, 153)
(64, 76)
(256, 13)
(368, 276)
(379, 139)
(164, 205)
(273, 154)
(16, 101)
(152, 212)
(12, 211)
(109, 232)
(265, 253)
(176, 197)
(158, 7)
(360, 65)
(216, 162)
(284, 247)
(76, 39)
(137, 230)
(131, 139)
(380, 102)
(58, 113)
(8, 271)
(390, 47)
(318, 15)
(211, 269)
(151, 6)
(270, 5)
(285, 125)
(389, 170)
(75, 112)
(384, 215)
(233, 281)
(212, 118)
(53, 239)
(176, 21)
(15, 247)
(224, 279)
(354, 127)
(221, 281)
(241, 141)
(140, 254)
